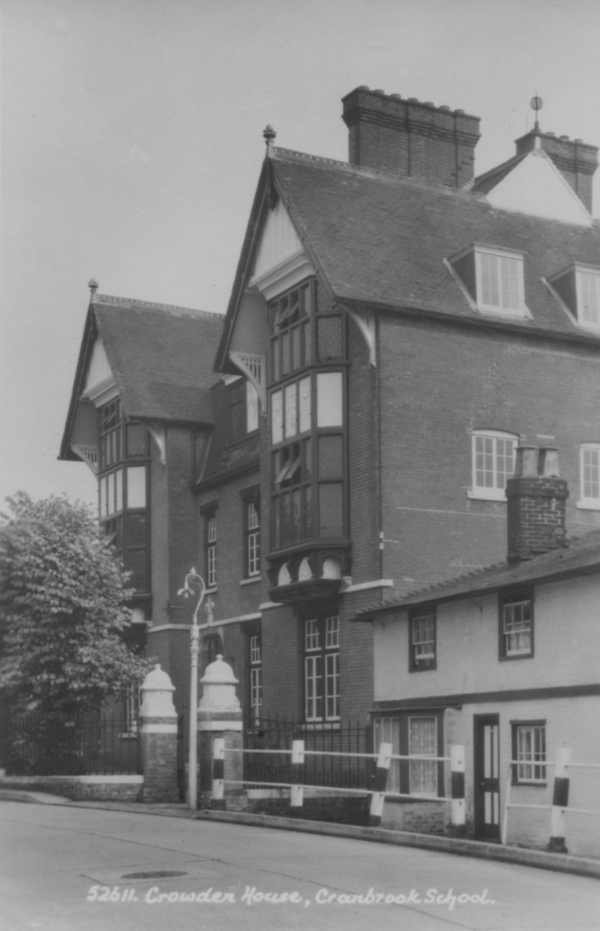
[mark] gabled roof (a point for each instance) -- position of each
(580, 557)
(381, 240)
(160, 356)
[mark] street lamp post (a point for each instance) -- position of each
(193, 583)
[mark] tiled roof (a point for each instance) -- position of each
(382, 240)
(161, 357)
(580, 557)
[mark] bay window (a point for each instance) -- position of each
(123, 490)
(307, 420)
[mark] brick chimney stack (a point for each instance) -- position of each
(575, 160)
(409, 138)
(536, 504)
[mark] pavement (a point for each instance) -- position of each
(541, 859)
(73, 866)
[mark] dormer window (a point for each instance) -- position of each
(578, 289)
(492, 279)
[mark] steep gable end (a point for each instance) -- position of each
(279, 241)
(99, 376)
(535, 186)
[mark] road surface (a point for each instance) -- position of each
(78, 869)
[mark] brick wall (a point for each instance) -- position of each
(76, 789)
(364, 463)
(440, 382)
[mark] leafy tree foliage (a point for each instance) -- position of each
(63, 607)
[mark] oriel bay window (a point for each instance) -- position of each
(307, 416)
(123, 490)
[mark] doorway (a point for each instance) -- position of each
(487, 776)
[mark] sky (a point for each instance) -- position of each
(131, 144)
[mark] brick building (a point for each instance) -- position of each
(396, 327)
(140, 417)
(404, 325)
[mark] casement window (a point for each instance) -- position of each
(417, 734)
(516, 625)
(210, 524)
(422, 645)
(578, 291)
(493, 463)
(492, 278)
(529, 752)
(589, 463)
(255, 666)
(251, 536)
(322, 668)
(243, 408)
(123, 464)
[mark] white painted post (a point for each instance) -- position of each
(560, 801)
(457, 776)
(384, 759)
(218, 767)
(297, 792)
(504, 830)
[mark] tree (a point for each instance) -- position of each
(63, 597)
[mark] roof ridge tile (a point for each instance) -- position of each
(115, 301)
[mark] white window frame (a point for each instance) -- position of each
(500, 255)
(211, 550)
(483, 492)
(252, 539)
(509, 652)
(530, 766)
(594, 275)
(255, 677)
(591, 502)
(322, 669)
(416, 766)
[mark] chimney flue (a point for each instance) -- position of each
(536, 504)
(410, 138)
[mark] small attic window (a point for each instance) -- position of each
(578, 288)
(492, 278)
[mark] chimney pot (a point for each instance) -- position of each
(548, 462)
(526, 463)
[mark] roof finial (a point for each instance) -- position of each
(269, 135)
(536, 103)
(93, 286)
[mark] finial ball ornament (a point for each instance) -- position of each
(536, 103)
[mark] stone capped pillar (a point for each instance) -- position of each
(158, 735)
(219, 715)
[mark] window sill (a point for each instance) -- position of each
(251, 581)
(588, 505)
(128, 735)
(532, 785)
(320, 726)
(211, 590)
(487, 494)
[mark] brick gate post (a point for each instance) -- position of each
(219, 715)
(158, 735)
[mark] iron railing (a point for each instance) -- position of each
(277, 734)
(63, 744)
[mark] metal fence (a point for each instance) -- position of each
(58, 744)
(320, 768)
